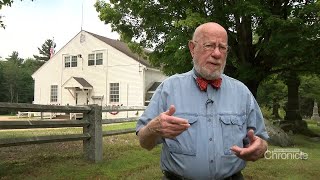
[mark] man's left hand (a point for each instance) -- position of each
(254, 150)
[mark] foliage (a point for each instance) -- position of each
(31, 65)
(309, 92)
(12, 76)
(5, 3)
(15, 59)
(267, 113)
(310, 85)
(272, 90)
(44, 51)
(16, 81)
(2, 92)
(166, 27)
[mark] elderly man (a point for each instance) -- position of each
(209, 123)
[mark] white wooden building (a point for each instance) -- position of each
(92, 69)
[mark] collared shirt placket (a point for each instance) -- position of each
(211, 125)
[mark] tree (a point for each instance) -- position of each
(12, 76)
(29, 66)
(17, 83)
(14, 58)
(266, 37)
(2, 90)
(45, 50)
(272, 93)
(166, 27)
(309, 92)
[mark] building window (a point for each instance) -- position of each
(99, 59)
(95, 59)
(114, 92)
(90, 59)
(74, 61)
(67, 62)
(54, 93)
(70, 61)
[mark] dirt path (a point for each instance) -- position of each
(8, 118)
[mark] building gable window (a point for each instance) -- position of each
(74, 61)
(99, 59)
(70, 61)
(91, 60)
(114, 92)
(67, 61)
(95, 59)
(54, 93)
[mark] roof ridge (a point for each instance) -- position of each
(123, 47)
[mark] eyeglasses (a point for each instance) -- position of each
(212, 46)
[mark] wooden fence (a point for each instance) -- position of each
(91, 123)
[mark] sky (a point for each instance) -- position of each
(30, 23)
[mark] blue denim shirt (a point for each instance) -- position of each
(203, 150)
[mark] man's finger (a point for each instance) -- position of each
(236, 149)
(252, 148)
(250, 135)
(170, 111)
(177, 122)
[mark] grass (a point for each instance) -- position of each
(58, 131)
(288, 168)
(123, 158)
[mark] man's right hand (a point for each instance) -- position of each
(168, 126)
(165, 125)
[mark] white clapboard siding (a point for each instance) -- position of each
(118, 67)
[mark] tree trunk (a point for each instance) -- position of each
(11, 91)
(275, 109)
(293, 120)
(253, 86)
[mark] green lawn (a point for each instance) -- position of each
(59, 131)
(124, 159)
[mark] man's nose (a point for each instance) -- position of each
(216, 52)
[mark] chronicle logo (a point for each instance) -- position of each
(288, 153)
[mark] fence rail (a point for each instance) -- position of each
(91, 123)
(42, 124)
(42, 139)
(44, 108)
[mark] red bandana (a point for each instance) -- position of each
(203, 83)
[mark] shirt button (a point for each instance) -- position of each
(210, 139)
(209, 120)
(211, 161)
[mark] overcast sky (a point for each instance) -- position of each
(29, 24)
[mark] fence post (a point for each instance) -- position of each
(93, 146)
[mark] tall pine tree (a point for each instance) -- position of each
(45, 50)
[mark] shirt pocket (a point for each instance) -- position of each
(185, 143)
(233, 132)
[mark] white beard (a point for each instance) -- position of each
(205, 74)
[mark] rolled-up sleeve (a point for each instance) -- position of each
(255, 119)
(154, 108)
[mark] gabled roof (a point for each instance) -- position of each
(83, 82)
(154, 86)
(77, 82)
(123, 47)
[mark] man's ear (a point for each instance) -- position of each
(191, 47)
